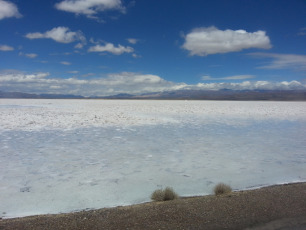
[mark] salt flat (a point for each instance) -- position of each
(67, 155)
(29, 114)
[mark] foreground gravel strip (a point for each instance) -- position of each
(276, 207)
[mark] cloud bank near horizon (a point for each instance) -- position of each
(124, 82)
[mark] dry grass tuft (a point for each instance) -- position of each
(164, 195)
(222, 189)
(169, 194)
(158, 195)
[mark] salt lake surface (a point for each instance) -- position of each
(68, 155)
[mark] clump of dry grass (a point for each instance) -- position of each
(158, 195)
(164, 194)
(170, 194)
(222, 188)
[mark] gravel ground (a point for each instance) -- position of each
(277, 207)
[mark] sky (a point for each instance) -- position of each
(108, 47)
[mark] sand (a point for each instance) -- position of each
(274, 207)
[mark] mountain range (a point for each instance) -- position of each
(225, 94)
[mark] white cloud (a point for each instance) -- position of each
(65, 63)
(18, 77)
(236, 77)
(29, 55)
(302, 31)
(210, 40)
(136, 56)
(111, 84)
(109, 47)
(59, 34)
(283, 61)
(132, 40)
(89, 7)
(132, 78)
(252, 85)
(125, 82)
(6, 48)
(73, 72)
(8, 9)
(79, 46)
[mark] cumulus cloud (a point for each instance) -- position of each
(6, 48)
(236, 77)
(111, 84)
(125, 82)
(8, 10)
(37, 83)
(19, 77)
(89, 7)
(109, 47)
(59, 34)
(132, 78)
(283, 61)
(210, 40)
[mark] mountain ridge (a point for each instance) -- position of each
(223, 94)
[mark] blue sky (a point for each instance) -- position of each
(105, 47)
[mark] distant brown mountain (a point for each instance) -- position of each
(239, 95)
(37, 96)
(243, 95)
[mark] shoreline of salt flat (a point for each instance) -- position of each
(267, 208)
(124, 206)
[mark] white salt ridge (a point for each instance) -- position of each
(69, 160)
